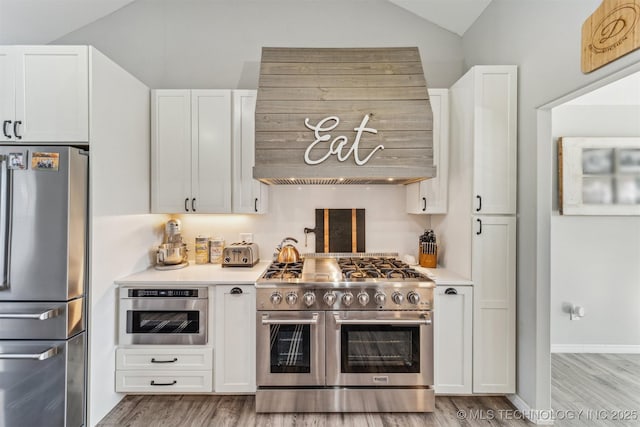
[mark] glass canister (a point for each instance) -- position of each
(216, 245)
(202, 250)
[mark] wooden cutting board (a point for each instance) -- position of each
(340, 230)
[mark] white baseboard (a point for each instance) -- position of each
(535, 416)
(595, 348)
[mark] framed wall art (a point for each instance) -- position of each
(599, 176)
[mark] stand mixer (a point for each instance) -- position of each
(172, 254)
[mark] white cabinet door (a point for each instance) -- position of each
(7, 91)
(235, 339)
(170, 151)
(210, 151)
(494, 322)
(52, 94)
(249, 195)
(495, 140)
(453, 312)
(430, 196)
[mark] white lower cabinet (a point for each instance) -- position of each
(235, 339)
(453, 327)
(494, 300)
(164, 370)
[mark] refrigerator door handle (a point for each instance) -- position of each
(54, 312)
(47, 354)
(5, 221)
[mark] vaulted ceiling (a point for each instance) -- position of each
(43, 21)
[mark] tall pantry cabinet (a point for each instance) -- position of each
(479, 232)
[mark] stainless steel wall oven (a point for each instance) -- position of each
(163, 316)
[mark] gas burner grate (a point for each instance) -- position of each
(283, 270)
(376, 267)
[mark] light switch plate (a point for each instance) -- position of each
(246, 237)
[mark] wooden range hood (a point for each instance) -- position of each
(342, 116)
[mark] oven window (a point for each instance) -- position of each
(290, 349)
(380, 349)
(163, 322)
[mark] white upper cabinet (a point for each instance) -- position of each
(211, 151)
(44, 93)
(249, 195)
(191, 151)
(494, 106)
(430, 196)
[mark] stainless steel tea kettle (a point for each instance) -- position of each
(287, 253)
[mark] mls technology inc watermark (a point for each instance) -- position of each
(621, 415)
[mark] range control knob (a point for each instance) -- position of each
(309, 298)
(276, 298)
(347, 298)
(363, 298)
(380, 298)
(397, 297)
(292, 297)
(329, 298)
(413, 298)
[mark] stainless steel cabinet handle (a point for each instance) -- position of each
(479, 232)
(186, 204)
(424, 321)
(4, 129)
(15, 129)
(479, 208)
(424, 204)
(267, 321)
(174, 382)
(5, 220)
(54, 312)
(174, 360)
(47, 354)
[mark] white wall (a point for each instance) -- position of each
(122, 234)
(292, 208)
(542, 37)
(217, 43)
(594, 259)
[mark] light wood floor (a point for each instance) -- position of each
(191, 411)
(608, 383)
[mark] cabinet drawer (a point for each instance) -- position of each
(164, 359)
(164, 381)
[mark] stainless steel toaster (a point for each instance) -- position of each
(241, 254)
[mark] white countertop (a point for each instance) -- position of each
(213, 274)
(442, 276)
(197, 274)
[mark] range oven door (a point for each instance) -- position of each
(379, 348)
(290, 348)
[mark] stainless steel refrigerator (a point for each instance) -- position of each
(43, 270)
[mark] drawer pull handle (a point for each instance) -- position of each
(153, 360)
(236, 291)
(174, 382)
(451, 291)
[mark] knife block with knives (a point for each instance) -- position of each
(428, 250)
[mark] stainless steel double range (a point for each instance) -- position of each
(344, 334)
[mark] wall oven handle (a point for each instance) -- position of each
(267, 321)
(423, 321)
(47, 354)
(36, 316)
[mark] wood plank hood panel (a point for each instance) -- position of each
(343, 115)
